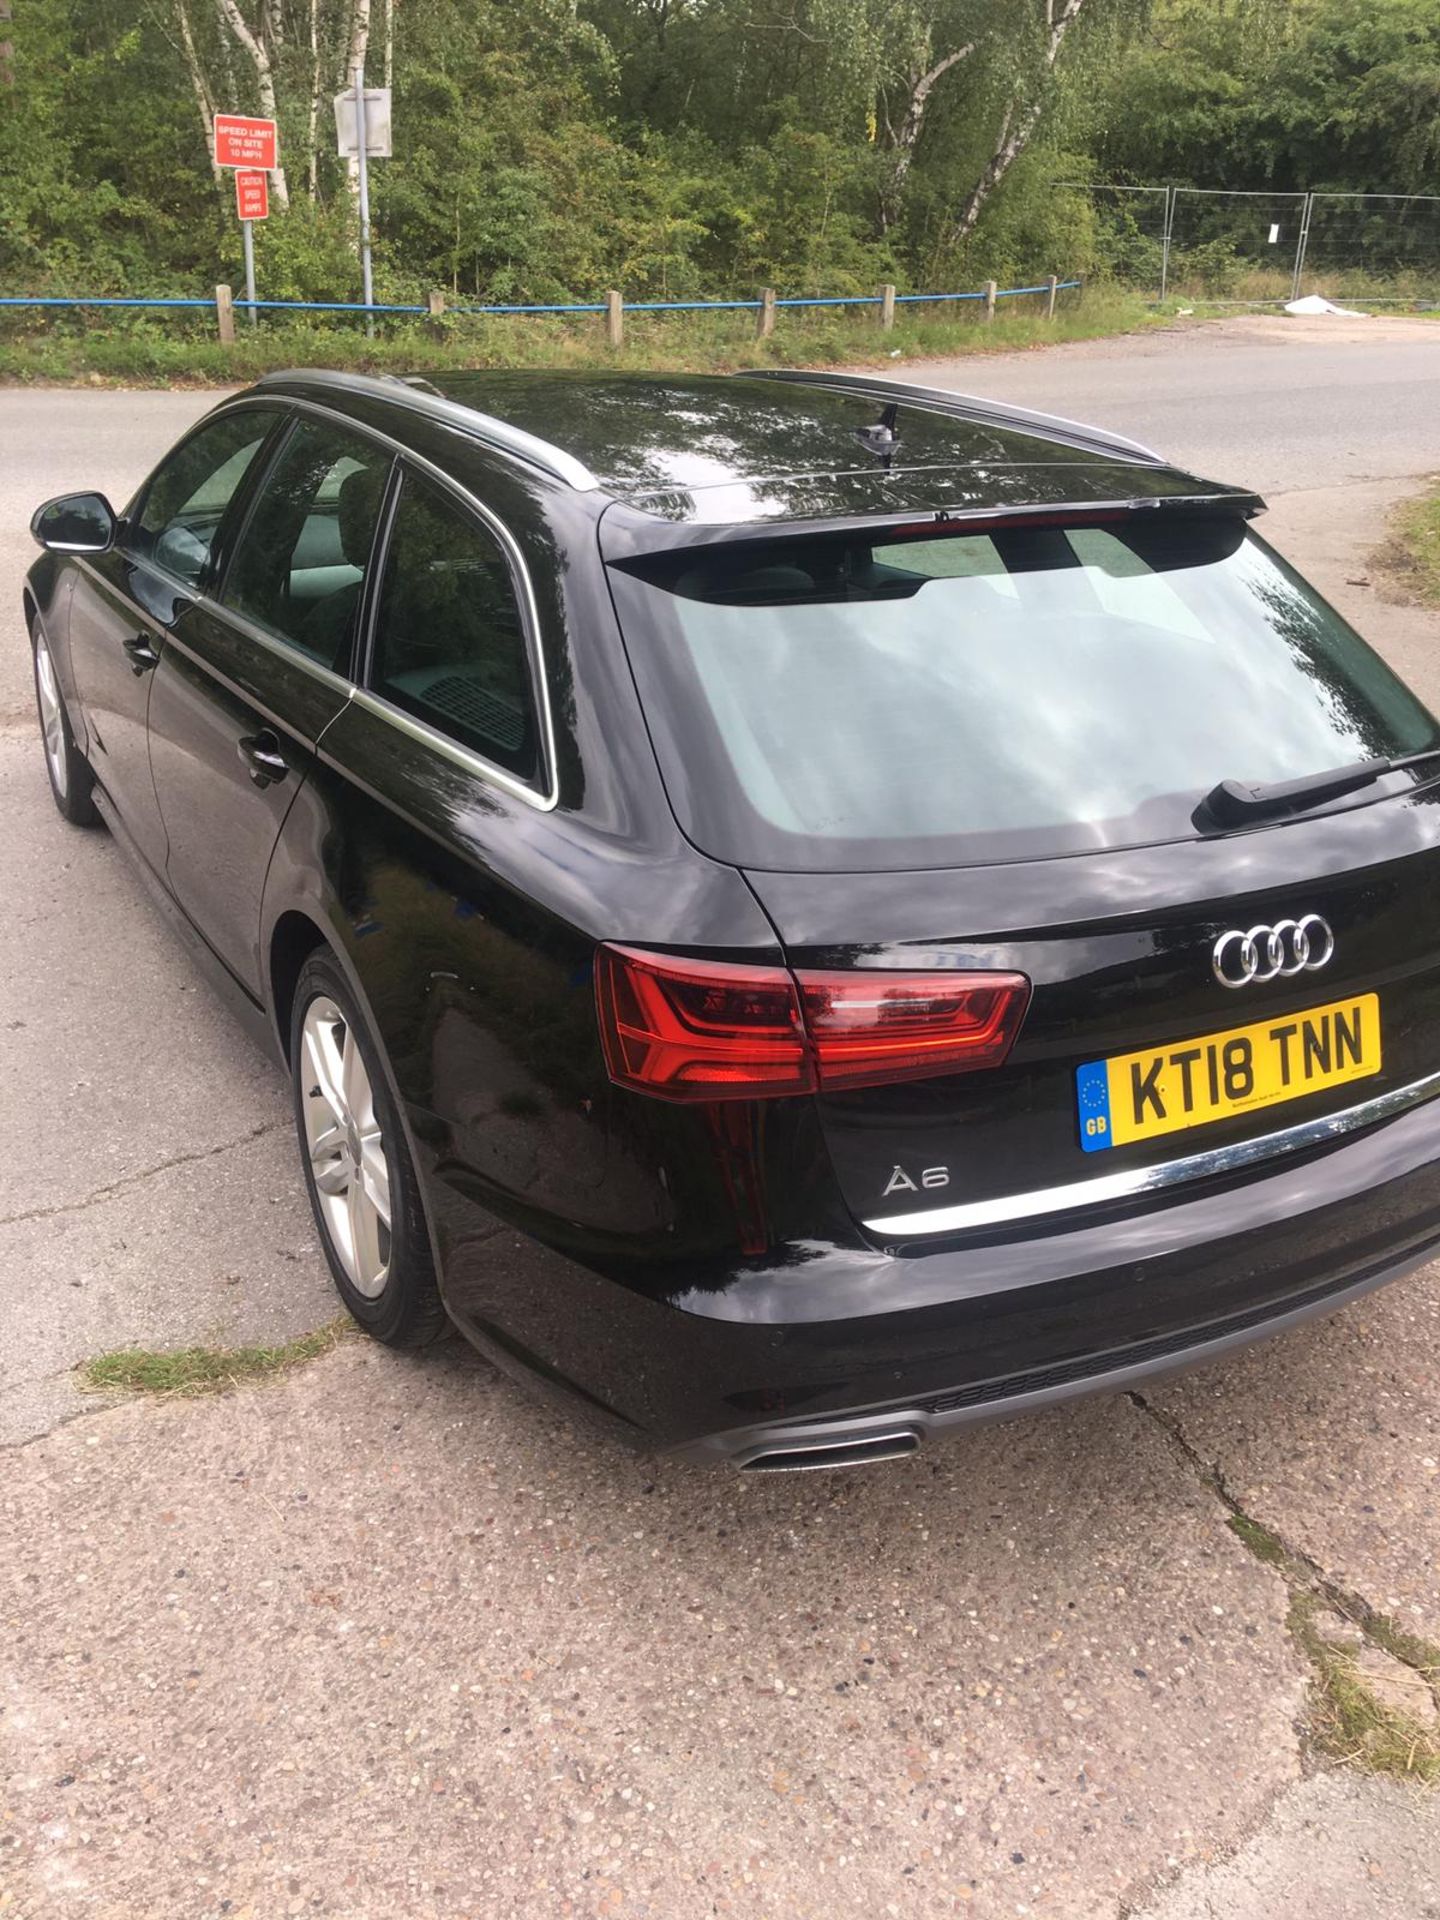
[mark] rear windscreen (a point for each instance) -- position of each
(887, 701)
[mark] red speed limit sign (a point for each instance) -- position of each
(240, 142)
(252, 196)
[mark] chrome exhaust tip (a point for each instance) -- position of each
(813, 1456)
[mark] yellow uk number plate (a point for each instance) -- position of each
(1137, 1096)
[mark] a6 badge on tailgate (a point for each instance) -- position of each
(1137, 1096)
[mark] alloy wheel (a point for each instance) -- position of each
(345, 1146)
(52, 716)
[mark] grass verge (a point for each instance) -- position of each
(150, 353)
(1412, 555)
(195, 1370)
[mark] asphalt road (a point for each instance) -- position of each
(386, 1638)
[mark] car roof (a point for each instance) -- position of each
(740, 448)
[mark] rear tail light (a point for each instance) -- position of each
(869, 1029)
(692, 1030)
(699, 1030)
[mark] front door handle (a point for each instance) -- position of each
(261, 754)
(141, 655)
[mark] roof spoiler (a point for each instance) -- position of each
(628, 531)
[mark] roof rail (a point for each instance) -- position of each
(407, 391)
(1072, 433)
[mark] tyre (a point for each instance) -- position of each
(69, 770)
(358, 1169)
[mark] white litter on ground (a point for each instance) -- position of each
(1317, 303)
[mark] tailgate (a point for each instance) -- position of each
(1128, 1021)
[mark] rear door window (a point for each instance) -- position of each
(299, 569)
(449, 642)
(845, 702)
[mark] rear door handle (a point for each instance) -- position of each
(141, 655)
(261, 754)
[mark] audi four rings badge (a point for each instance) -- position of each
(1267, 953)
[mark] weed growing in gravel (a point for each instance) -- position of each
(1350, 1722)
(1348, 1719)
(1261, 1542)
(194, 1370)
(1412, 554)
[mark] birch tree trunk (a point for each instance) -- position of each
(357, 46)
(257, 52)
(199, 86)
(357, 40)
(1019, 121)
(312, 112)
(906, 138)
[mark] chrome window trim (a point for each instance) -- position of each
(544, 799)
(377, 705)
(480, 426)
(1137, 1181)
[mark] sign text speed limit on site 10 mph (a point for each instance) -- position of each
(242, 142)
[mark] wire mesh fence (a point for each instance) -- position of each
(1263, 246)
(1128, 231)
(1227, 244)
(1369, 241)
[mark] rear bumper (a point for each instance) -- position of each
(827, 1341)
(880, 1433)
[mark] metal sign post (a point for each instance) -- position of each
(1306, 212)
(362, 133)
(248, 147)
(252, 203)
(361, 145)
(1165, 237)
(249, 232)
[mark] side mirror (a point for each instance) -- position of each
(75, 523)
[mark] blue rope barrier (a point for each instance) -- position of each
(694, 306)
(317, 306)
(910, 299)
(596, 306)
(599, 306)
(836, 300)
(85, 300)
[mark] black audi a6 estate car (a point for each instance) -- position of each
(801, 910)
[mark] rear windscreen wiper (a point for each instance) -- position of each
(1234, 803)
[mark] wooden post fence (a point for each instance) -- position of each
(765, 321)
(1050, 286)
(225, 315)
(887, 306)
(989, 300)
(614, 319)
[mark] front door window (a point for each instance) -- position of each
(187, 495)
